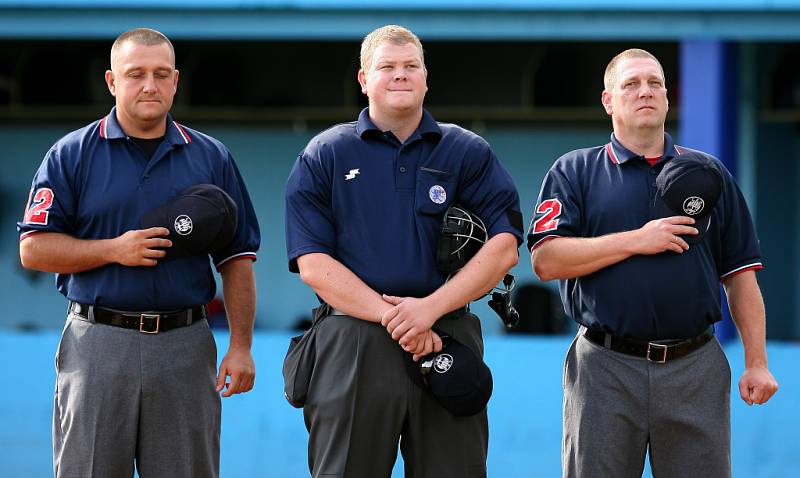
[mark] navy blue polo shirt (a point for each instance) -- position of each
(597, 191)
(376, 205)
(95, 183)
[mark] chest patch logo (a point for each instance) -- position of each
(693, 205)
(442, 363)
(437, 194)
(183, 225)
(352, 174)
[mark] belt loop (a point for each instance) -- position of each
(189, 316)
(90, 313)
(607, 341)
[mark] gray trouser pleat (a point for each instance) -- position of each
(616, 405)
(361, 402)
(123, 397)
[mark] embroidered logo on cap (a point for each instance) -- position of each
(183, 225)
(693, 205)
(437, 194)
(442, 363)
(352, 174)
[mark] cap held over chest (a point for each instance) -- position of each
(201, 219)
(689, 185)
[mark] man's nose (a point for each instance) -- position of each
(149, 83)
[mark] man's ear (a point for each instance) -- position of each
(110, 82)
(362, 80)
(605, 99)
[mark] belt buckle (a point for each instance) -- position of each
(662, 350)
(143, 317)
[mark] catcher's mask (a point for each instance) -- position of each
(463, 234)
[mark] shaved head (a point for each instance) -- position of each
(610, 77)
(139, 36)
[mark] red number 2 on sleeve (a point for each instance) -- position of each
(551, 208)
(37, 212)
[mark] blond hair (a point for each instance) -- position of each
(140, 36)
(392, 34)
(610, 77)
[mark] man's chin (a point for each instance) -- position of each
(151, 114)
(404, 106)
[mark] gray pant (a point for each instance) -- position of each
(361, 402)
(123, 396)
(615, 405)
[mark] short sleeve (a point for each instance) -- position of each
(739, 246)
(51, 202)
(309, 215)
(487, 190)
(247, 240)
(558, 208)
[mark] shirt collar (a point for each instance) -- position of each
(427, 125)
(619, 154)
(110, 128)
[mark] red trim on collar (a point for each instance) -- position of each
(184, 134)
(103, 127)
(678, 149)
(610, 151)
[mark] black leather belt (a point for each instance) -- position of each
(658, 352)
(456, 313)
(151, 322)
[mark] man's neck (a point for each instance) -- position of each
(648, 143)
(402, 126)
(149, 130)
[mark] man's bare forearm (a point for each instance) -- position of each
(747, 310)
(488, 267)
(340, 287)
(569, 257)
(63, 254)
(239, 293)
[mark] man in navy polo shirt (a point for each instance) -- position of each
(364, 207)
(645, 369)
(136, 364)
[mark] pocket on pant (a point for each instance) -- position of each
(60, 348)
(210, 340)
(723, 358)
(568, 358)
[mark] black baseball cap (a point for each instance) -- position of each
(689, 185)
(201, 219)
(456, 377)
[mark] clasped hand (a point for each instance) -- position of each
(409, 322)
